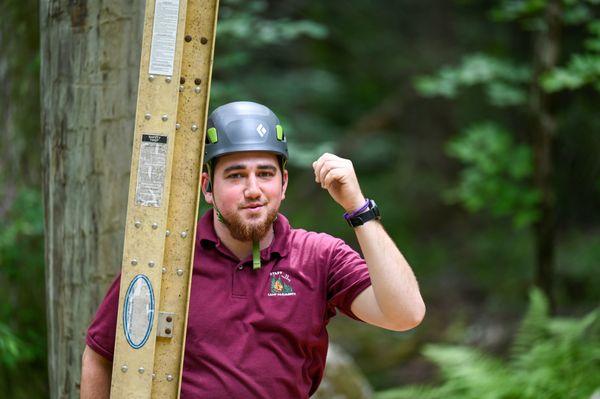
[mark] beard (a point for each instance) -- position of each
(253, 230)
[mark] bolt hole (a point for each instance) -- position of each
(181, 80)
(197, 81)
(203, 40)
(167, 331)
(169, 319)
(188, 38)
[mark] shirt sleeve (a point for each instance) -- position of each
(101, 333)
(347, 277)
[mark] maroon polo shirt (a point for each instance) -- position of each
(256, 333)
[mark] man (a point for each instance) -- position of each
(263, 292)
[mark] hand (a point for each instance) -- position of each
(337, 176)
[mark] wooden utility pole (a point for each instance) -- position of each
(89, 66)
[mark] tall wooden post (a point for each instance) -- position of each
(89, 73)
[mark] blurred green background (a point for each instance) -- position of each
(437, 104)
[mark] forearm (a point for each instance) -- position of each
(394, 284)
(96, 373)
(393, 301)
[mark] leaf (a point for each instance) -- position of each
(496, 174)
(553, 358)
(534, 325)
(12, 349)
(504, 81)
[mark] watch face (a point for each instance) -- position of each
(371, 213)
(376, 210)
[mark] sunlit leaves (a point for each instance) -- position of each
(504, 81)
(495, 175)
(582, 69)
(243, 28)
(509, 10)
(257, 31)
(593, 43)
(12, 349)
(529, 12)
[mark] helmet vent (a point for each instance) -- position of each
(211, 136)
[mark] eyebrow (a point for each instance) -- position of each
(242, 167)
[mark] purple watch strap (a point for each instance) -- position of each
(358, 211)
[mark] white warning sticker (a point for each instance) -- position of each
(164, 35)
(138, 312)
(151, 170)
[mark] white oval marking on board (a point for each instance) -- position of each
(138, 311)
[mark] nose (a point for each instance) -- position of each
(252, 188)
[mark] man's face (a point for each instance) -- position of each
(247, 188)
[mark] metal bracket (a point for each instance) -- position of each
(165, 324)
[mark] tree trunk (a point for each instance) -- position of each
(89, 66)
(546, 51)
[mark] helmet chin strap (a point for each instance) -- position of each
(256, 264)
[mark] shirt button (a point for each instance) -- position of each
(240, 267)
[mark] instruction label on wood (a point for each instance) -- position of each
(151, 170)
(164, 35)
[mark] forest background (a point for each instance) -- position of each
(473, 124)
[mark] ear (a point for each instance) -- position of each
(208, 196)
(285, 183)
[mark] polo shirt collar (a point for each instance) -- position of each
(207, 236)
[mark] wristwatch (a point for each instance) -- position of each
(371, 212)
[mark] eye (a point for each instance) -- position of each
(234, 176)
(266, 174)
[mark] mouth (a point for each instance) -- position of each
(253, 206)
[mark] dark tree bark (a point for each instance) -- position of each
(546, 53)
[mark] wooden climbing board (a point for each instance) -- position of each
(164, 193)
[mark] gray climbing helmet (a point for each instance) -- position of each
(244, 126)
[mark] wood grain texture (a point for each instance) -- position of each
(185, 104)
(196, 70)
(89, 68)
(157, 96)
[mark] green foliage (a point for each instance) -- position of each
(582, 69)
(12, 349)
(22, 308)
(496, 174)
(529, 12)
(254, 61)
(552, 358)
(244, 29)
(509, 10)
(26, 222)
(250, 29)
(503, 81)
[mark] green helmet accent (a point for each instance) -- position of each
(212, 135)
(244, 126)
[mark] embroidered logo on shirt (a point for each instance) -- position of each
(280, 285)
